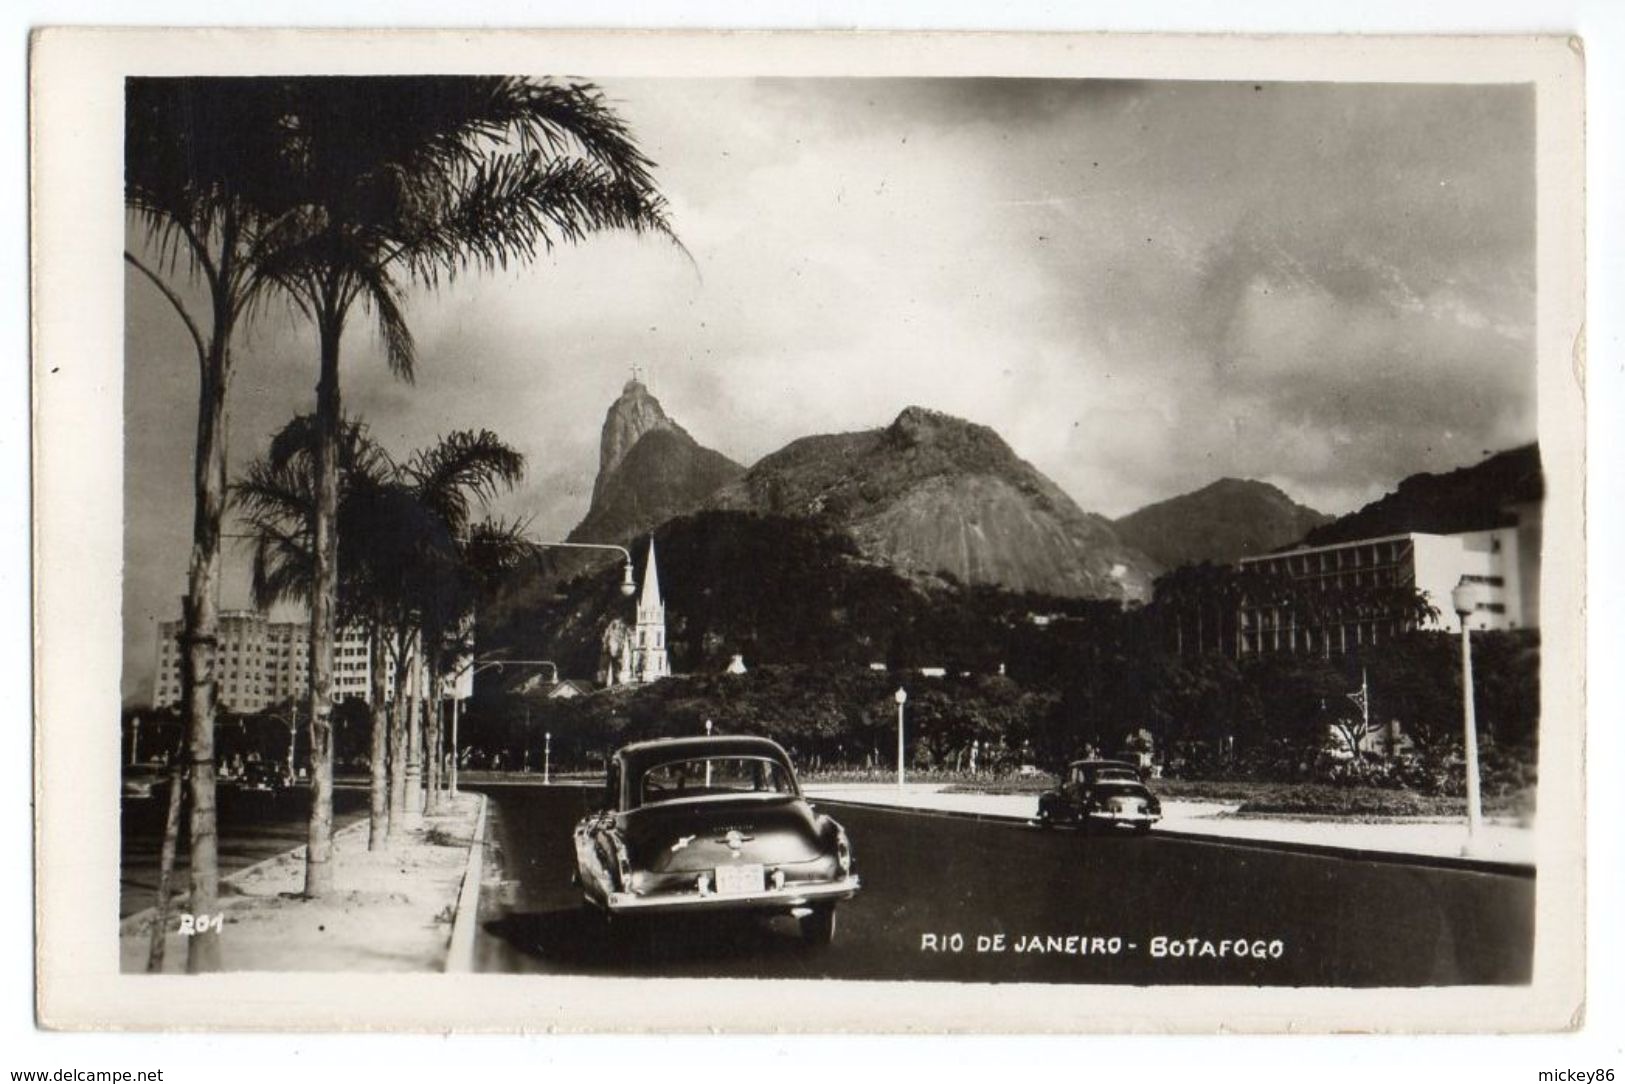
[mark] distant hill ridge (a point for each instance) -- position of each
(1472, 498)
(1221, 522)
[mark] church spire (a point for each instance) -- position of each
(650, 598)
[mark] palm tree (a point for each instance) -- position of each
(413, 559)
(446, 480)
(278, 498)
(412, 178)
(202, 168)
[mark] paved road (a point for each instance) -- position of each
(1338, 922)
(253, 827)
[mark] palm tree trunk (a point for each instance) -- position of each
(414, 736)
(323, 601)
(433, 705)
(166, 864)
(378, 813)
(397, 740)
(198, 667)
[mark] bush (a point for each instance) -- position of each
(1351, 801)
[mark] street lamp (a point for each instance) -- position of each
(708, 759)
(474, 666)
(629, 586)
(901, 696)
(1466, 599)
(547, 758)
(293, 731)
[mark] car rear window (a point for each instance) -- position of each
(713, 777)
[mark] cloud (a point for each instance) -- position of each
(1143, 286)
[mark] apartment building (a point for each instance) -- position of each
(1433, 564)
(263, 662)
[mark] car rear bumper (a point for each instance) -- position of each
(1135, 819)
(771, 899)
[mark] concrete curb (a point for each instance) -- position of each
(131, 924)
(1321, 850)
(460, 950)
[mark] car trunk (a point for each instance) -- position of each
(681, 837)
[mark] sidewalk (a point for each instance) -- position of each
(1502, 843)
(392, 909)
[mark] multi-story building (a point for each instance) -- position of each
(1429, 564)
(263, 662)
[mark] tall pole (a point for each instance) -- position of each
(293, 737)
(1475, 814)
(901, 696)
(547, 758)
(454, 746)
(708, 759)
(1469, 594)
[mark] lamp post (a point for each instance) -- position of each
(901, 696)
(293, 731)
(474, 666)
(547, 758)
(629, 586)
(708, 759)
(1466, 599)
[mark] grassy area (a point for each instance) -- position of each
(1291, 799)
(1010, 785)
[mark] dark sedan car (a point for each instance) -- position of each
(708, 824)
(263, 777)
(1100, 793)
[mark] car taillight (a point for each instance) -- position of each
(623, 864)
(843, 852)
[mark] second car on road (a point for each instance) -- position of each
(1100, 793)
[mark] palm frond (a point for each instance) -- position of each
(382, 296)
(460, 468)
(518, 206)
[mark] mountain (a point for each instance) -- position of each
(933, 495)
(1472, 498)
(649, 470)
(1229, 519)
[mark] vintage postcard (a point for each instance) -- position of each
(866, 532)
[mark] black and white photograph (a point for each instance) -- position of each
(1050, 533)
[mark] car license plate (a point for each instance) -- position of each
(734, 880)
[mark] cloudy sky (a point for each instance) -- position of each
(1142, 286)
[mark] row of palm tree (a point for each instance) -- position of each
(333, 195)
(413, 562)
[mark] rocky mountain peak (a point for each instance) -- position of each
(932, 494)
(649, 470)
(632, 415)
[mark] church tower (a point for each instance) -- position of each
(649, 661)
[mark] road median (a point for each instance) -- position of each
(391, 910)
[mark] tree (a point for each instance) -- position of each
(458, 556)
(277, 496)
(413, 178)
(201, 170)
(413, 561)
